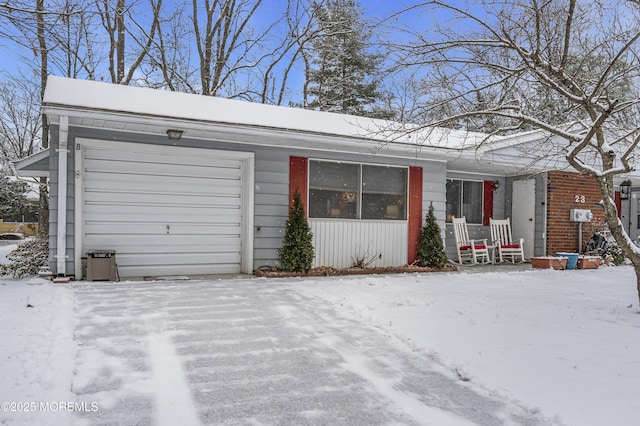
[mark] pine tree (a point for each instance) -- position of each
(430, 247)
(296, 254)
(342, 78)
(13, 201)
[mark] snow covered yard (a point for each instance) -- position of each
(564, 341)
(531, 347)
(36, 350)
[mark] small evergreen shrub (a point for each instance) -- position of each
(27, 258)
(614, 250)
(430, 247)
(296, 254)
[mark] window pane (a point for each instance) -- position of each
(333, 189)
(384, 193)
(472, 201)
(453, 199)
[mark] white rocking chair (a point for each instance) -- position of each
(471, 251)
(504, 244)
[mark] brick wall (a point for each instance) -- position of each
(566, 191)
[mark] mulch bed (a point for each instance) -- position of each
(327, 271)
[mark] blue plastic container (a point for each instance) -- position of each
(572, 261)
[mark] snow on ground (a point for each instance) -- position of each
(564, 341)
(561, 342)
(5, 249)
(36, 350)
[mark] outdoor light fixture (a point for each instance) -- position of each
(496, 185)
(174, 134)
(625, 189)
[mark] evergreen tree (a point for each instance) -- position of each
(342, 78)
(296, 254)
(13, 200)
(430, 247)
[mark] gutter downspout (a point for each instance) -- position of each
(63, 152)
(545, 214)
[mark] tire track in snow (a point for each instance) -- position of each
(174, 404)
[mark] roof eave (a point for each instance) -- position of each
(38, 163)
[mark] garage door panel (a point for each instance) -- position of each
(141, 157)
(165, 244)
(167, 186)
(151, 259)
(104, 155)
(105, 169)
(127, 252)
(157, 180)
(161, 228)
(171, 213)
(103, 218)
(129, 198)
(161, 199)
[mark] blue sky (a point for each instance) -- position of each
(13, 58)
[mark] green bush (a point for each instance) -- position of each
(296, 254)
(27, 258)
(430, 247)
(614, 250)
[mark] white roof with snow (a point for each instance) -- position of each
(100, 105)
(105, 97)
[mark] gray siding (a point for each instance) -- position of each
(271, 186)
(272, 193)
(271, 204)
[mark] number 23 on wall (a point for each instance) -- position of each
(580, 199)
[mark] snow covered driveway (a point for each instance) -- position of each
(251, 351)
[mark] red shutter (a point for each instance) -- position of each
(618, 201)
(298, 179)
(487, 205)
(415, 212)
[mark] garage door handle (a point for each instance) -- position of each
(168, 228)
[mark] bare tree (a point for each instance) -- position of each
(169, 64)
(225, 42)
(300, 29)
(20, 124)
(122, 24)
(513, 61)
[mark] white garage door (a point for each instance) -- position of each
(164, 211)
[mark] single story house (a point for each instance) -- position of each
(178, 183)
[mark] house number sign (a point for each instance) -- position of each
(580, 199)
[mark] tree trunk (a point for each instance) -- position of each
(120, 47)
(43, 208)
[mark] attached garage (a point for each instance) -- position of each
(165, 210)
(170, 181)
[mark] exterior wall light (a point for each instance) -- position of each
(625, 189)
(174, 134)
(496, 185)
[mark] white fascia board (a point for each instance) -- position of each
(502, 142)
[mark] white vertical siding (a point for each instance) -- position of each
(338, 242)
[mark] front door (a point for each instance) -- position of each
(523, 211)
